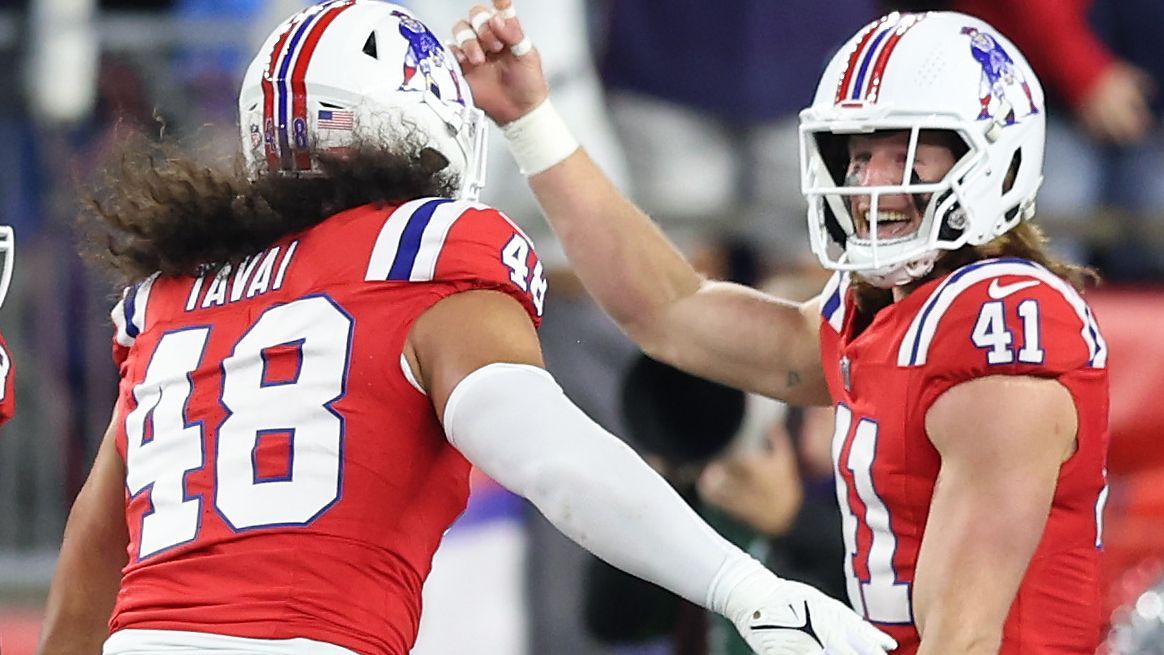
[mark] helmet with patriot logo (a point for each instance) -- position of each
(938, 72)
(348, 71)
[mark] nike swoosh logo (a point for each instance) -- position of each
(1000, 291)
(805, 627)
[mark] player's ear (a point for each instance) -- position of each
(432, 161)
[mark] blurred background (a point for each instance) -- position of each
(691, 107)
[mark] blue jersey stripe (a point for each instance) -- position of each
(410, 239)
(832, 305)
(1094, 332)
(130, 306)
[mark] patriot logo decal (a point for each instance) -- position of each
(1001, 79)
(426, 55)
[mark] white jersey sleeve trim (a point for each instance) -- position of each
(410, 243)
(914, 350)
(129, 313)
(161, 642)
(409, 375)
(832, 307)
(1100, 504)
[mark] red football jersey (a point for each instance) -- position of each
(284, 476)
(7, 382)
(994, 317)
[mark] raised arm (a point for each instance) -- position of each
(88, 573)
(722, 331)
(990, 505)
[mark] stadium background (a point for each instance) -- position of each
(79, 75)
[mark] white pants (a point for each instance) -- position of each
(167, 642)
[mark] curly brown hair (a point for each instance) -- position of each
(1026, 241)
(159, 210)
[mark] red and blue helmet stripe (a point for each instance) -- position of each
(861, 82)
(286, 137)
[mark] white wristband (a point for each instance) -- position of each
(540, 139)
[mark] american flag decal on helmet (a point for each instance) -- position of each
(861, 82)
(335, 119)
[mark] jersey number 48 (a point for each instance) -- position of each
(163, 445)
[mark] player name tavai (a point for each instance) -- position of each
(252, 277)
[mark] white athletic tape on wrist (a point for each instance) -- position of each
(540, 139)
(480, 18)
(522, 47)
(464, 36)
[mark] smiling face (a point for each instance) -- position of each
(879, 160)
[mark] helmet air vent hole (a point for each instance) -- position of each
(1012, 171)
(370, 46)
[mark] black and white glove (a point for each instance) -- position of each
(782, 617)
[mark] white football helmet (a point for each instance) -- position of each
(357, 69)
(912, 72)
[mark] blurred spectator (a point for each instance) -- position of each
(707, 102)
(1100, 61)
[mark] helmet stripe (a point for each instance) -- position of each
(843, 87)
(299, 120)
(865, 61)
(887, 51)
(269, 100)
(281, 81)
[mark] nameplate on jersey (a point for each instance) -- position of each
(254, 276)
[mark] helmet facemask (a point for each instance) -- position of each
(854, 216)
(952, 209)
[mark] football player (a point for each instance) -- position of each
(312, 354)
(967, 373)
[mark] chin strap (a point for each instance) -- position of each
(901, 274)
